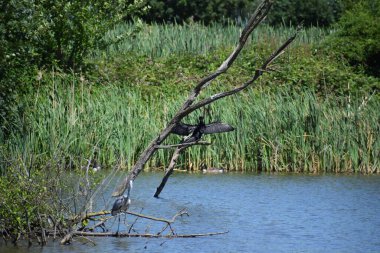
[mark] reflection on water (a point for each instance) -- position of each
(263, 213)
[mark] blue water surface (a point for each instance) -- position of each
(262, 213)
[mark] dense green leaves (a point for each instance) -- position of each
(49, 33)
(358, 36)
(58, 32)
(198, 10)
(22, 199)
(314, 12)
(194, 50)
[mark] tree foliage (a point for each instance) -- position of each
(197, 10)
(46, 33)
(58, 32)
(358, 36)
(313, 12)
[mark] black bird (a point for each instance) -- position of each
(194, 132)
(122, 203)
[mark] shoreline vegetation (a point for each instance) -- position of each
(313, 114)
(276, 131)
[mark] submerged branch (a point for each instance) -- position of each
(106, 212)
(89, 231)
(112, 234)
(180, 213)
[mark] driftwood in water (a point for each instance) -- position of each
(189, 106)
(112, 234)
(103, 216)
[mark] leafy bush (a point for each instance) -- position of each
(22, 200)
(358, 36)
(58, 32)
(197, 10)
(301, 67)
(46, 33)
(314, 12)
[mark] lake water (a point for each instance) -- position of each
(263, 213)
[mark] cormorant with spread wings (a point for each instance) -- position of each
(194, 132)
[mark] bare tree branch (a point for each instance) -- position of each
(188, 106)
(258, 73)
(257, 17)
(180, 213)
(183, 145)
(169, 170)
(80, 233)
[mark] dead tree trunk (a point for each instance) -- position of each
(173, 162)
(169, 170)
(189, 106)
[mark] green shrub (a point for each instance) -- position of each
(198, 10)
(358, 36)
(301, 67)
(61, 33)
(22, 199)
(312, 12)
(45, 33)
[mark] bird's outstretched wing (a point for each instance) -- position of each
(183, 129)
(217, 128)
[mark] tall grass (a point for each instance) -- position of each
(69, 119)
(157, 40)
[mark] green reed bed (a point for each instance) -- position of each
(69, 120)
(158, 40)
(303, 133)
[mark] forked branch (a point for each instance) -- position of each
(264, 68)
(188, 106)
